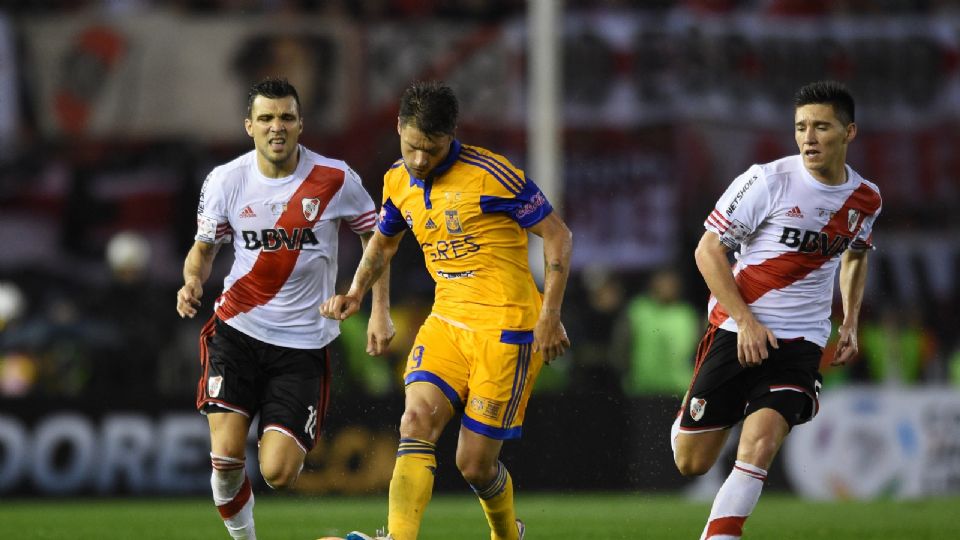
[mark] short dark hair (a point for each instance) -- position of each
(830, 93)
(272, 88)
(430, 106)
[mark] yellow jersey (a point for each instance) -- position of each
(469, 218)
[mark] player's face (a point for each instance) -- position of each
(823, 141)
(422, 153)
(275, 126)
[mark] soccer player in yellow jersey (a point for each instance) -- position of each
(490, 330)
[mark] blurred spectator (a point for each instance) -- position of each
(12, 303)
(135, 309)
(371, 376)
(598, 299)
(52, 350)
(9, 88)
(954, 368)
(896, 347)
(656, 338)
(18, 371)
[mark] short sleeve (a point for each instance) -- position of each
(390, 222)
(213, 225)
(864, 239)
(741, 208)
(358, 209)
(527, 207)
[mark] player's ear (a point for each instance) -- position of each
(248, 126)
(399, 125)
(851, 132)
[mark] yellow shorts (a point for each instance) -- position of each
(490, 377)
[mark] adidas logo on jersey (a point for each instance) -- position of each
(247, 212)
(430, 224)
(795, 212)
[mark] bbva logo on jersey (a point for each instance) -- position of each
(276, 239)
(814, 241)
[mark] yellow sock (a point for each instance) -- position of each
(497, 502)
(411, 487)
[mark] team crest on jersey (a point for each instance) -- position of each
(408, 218)
(213, 385)
(453, 222)
(852, 217)
(697, 406)
(311, 207)
(430, 224)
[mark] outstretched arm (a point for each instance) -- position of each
(853, 279)
(549, 334)
(752, 337)
(376, 258)
(196, 270)
(380, 329)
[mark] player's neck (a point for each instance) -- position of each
(283, 169)
(831, 176)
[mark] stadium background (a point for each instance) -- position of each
(113, 112)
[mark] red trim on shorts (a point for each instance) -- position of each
(206, 335)
(730, 526)
(702, 349)
(203, 398)
(230, 509)
(324, 402)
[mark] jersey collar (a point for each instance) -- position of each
(443, 167)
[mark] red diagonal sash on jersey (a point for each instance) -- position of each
(788, 268)
(272, 268)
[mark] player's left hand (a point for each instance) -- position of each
(550, 336)
(380, 332)
(847, 347)
(340, 306)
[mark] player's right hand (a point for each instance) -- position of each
(340, 306)
(752, 340)
(188, 298)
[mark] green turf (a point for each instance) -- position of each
(548, 517)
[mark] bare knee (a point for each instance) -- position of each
(696, 454)
(476, 471)
(417, 422)
(759, 451)
(692, 464)
(280, 476)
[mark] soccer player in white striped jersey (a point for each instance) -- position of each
(792, 222)
(265, 348)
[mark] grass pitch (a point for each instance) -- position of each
(548, 517)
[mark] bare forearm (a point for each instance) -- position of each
(715, 269)
(381, 291)
(556, 269)
(199, 262)
(853, 279)
(374, 270)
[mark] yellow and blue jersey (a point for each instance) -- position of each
(469, 218)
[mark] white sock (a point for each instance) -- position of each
(734, 502)
(674, 433)
(233, 496)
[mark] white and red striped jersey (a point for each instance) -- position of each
(284, 233)
(790, 230)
